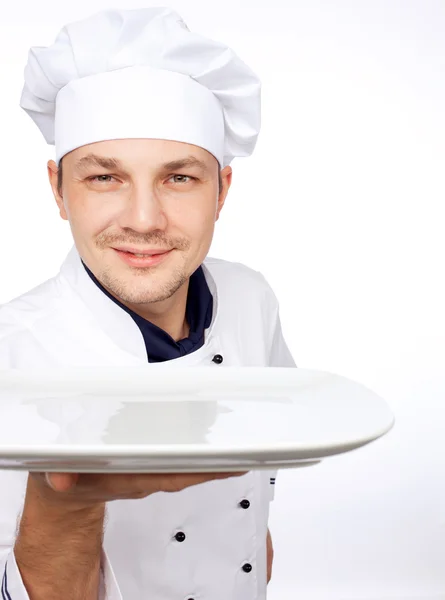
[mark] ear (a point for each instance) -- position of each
(226, 179)
(53, 180)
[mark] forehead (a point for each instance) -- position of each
(145, 153)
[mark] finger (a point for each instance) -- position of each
(105, 487)
(179, 482)
(224, 475)
(61, 482)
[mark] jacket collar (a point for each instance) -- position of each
(113, 320)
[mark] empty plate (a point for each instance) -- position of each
(194, 419)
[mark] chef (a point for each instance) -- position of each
(145, 117)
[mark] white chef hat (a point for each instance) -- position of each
(141, 74)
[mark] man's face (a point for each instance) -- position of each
(145, 196)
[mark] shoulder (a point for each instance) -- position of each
(21, 313)
(239, 281)
(224, 271)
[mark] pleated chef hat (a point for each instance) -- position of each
(141, 74)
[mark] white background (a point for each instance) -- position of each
(341, 207)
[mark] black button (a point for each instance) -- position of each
(247, 568)
(217, 359)
(244, 504)
(180, 536)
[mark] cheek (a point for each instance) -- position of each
(88, 218)
(196, 222)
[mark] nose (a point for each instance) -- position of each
(143, 211)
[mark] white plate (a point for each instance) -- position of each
(191, 419)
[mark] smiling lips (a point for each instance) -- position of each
(136, 257)
(138, 251)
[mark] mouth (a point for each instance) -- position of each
(142, 252)
(137, 257)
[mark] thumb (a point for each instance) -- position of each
(61, 482)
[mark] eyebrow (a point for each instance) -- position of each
(189, 161)
(113, 163)
(93, 160)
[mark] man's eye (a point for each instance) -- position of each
(101, 178)
(181, 178)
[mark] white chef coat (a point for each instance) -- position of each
(69, 321)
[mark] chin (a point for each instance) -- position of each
(153, 287)
(143, 298)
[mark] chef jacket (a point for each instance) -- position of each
(159, 344)
(205, 542)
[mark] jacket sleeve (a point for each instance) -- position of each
(12, 587)
(279, 353)
(272, 476)
(279, 356)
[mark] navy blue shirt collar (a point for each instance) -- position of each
(160, 346)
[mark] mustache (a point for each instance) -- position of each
(157, 238)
